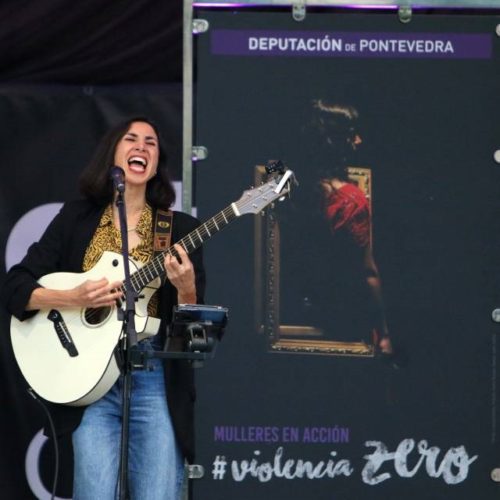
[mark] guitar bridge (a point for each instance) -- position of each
(62, 332)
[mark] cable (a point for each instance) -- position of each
(31, 392)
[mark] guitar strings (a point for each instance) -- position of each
(189, 243)
(139, 279)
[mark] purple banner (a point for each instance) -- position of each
(351, 44)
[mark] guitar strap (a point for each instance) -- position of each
(162, 231)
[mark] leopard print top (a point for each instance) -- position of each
(108, 237)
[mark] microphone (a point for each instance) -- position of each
(118, 176)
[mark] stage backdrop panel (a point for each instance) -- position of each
(284, 411)
(49, 134)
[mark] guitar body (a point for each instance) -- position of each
(70, 359)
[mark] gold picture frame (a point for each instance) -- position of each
(285, 338)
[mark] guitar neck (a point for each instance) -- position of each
(252, 201)
(190, 242)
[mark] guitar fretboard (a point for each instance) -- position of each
(190, 242)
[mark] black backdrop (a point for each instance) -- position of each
(52, 132)
(431, 129)
(55, 41)
(67, 72)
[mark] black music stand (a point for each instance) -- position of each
(192, 335)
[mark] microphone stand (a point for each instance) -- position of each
(128, 341)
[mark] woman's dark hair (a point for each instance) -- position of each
(95, 182)
(335, 129)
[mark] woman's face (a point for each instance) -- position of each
(355, 141)
(138, 153)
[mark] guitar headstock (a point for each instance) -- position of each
(280, 184)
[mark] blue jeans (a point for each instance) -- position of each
(155, 465)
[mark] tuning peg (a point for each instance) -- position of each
(275, 166)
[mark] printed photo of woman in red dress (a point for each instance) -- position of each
(337, 287)
(346, 208)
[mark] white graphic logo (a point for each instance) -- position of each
(32, 465)
(27, 230)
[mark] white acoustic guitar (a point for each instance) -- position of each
(68, 356)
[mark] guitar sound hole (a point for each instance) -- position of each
(96, 316)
